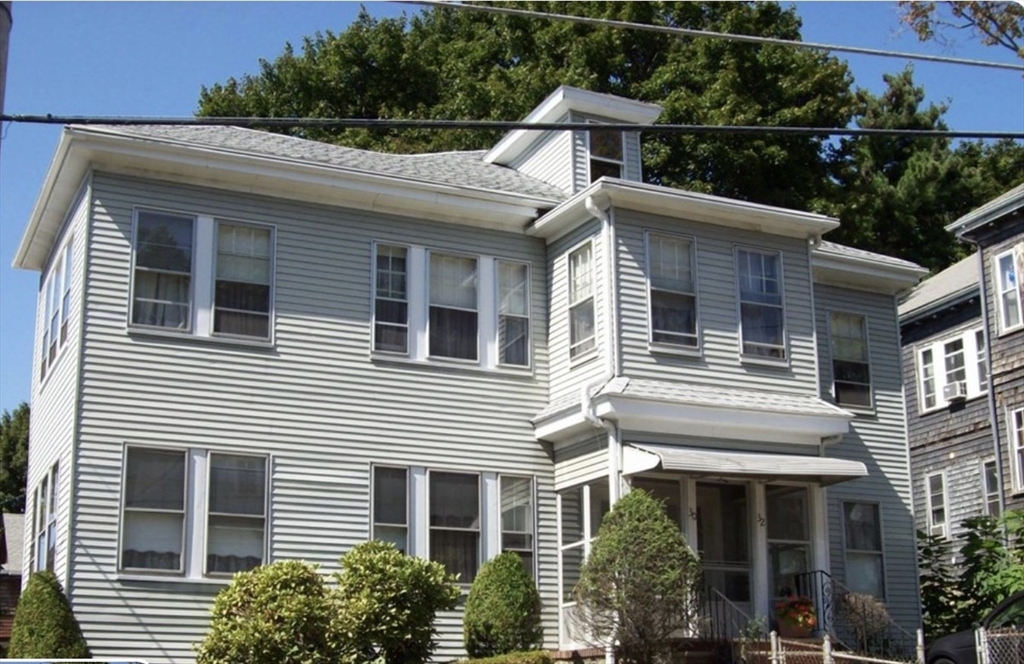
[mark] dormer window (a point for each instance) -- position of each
(606, 153)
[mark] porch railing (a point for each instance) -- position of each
(719, 619)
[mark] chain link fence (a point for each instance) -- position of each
(1001, 645)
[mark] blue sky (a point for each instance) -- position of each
(134, 58)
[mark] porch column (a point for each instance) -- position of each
(819, 529)
(759, 543)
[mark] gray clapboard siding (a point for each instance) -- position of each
(581, 461)
(717, 301)
(549, 158)
(53, 398)
(877, 439)
(315, 402)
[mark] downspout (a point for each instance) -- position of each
(993, 408)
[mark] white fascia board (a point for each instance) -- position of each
(714, 422)
(864, 274)
(560, 102)
(83, 149)
(680, 204)
(562, 426)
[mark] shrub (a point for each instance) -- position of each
(274, 614)
(638, 585)
(386, 602)
(44, 625)
(503, 609)
(867, 617)
(529, 657)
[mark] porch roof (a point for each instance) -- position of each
(639, 458)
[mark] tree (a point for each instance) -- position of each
(385, 605)
(44, 625)
(638, 586)
(994, 23)
(13, 459)
(277, 613)
(503, 609)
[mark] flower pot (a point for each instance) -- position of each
(791, 630)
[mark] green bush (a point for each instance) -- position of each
(638, 585)
(529, 657)
(274, 614)
(44, 625)
(386, 602)
(503, 609)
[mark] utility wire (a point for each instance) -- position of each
(386, 123)
(689, 32)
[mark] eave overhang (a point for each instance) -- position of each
(560, 102)
(83, 149)
(862, 273)
(949, 301)
(994, 211)
(679, 204)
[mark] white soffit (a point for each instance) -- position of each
(639, 458)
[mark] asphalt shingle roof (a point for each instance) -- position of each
(842, 250)
(959, 279)
(461, 169)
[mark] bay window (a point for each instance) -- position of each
(762, 316)
(672, 293)
(582, 332)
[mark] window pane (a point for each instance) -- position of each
(979, 344)
(238, 484)
(581, 328)
(862, 527)
(671, 263)
(243, 253)
(786, 561)
(154, 479)
(397, 535)
(665, 492)
(234, 544)
(161, 299)
(673, 318)
(164, 242)
(514, 340)
(864, 573)
(762, 330)
(152, 540)
(606, 143)
(517, 505)
(453, 333)
(604, 169)
(242, 300)
(580, 274)
(572, 561)
(458, 551)
(955, 361)
(391, 338)
(453, 281)
(389, 496)
(759, 277)
(787, 513)
(572, 515)
(454, 500)
(513, 293)
(600, 504)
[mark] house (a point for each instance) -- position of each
(965, 412)
(252, 347)
(13, 527)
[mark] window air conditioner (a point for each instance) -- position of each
(955, 391)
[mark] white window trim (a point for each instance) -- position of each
(418, 294)
(661, 346)
(57, 304)
(533, 520)
(408, 503)
(938, 348)
(481, 530)
(759, 359)
(265, 550)
(587, 355)
(870, 361)
(192, 565)
(881, 542)
(929, 526)
(529, 315)
(203, 280)
(985, 495)
(999, 293)
(44, 509)
(1016, 468)
(606, 160)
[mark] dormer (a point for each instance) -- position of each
(572, 159)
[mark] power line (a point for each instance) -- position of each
(495, 125)
(689, 32)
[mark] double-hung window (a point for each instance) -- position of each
(937, 510)
(391, 299)
(513, 314)
(955, 370)
(582, 333)
(990, 488)
(927, 364)
(391, 506)
(454, 321)
(57, 288)
(455, 522)
(762, 317)
(1016, 441)
(672, 290)
(159, 528)
(1008, 289)
(44, 522)
(517, 531)
(952, 369)
(606, 153)
(865, 568)
(202, 276)
(851, 367)
(982, 359)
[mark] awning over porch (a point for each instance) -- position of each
(639, 458)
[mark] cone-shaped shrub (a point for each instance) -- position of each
(44, 625)
(502, 610)
(274, 614)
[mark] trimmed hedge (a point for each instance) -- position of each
(502, 610)
(530, 657)
(44, 626)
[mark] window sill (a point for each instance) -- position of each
(669, 349)
(859, 411)
(129, 577)
(457, 365)
(585, 358)
(1010, 330)
(765, 361)
(192, 337)
(946, 404)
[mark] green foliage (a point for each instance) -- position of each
(990, 568)
(528, 657)
(503, 609)
(386, 602)
(13, 459)
(44, 625)
(275, 614)
(998, 23)
(638, 584)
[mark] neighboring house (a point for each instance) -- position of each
(10, 573)
(252, 347)
(963, 466)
